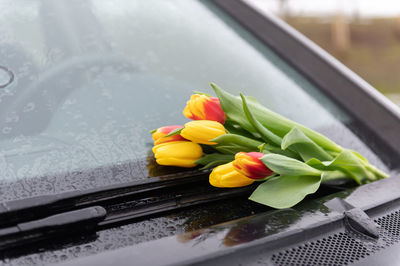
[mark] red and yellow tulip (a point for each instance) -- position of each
(201, 107)
(160, 133)
(226, 176)
(249, 164)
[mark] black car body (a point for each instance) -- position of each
(82, 83)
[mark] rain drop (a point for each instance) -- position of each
(6, 130)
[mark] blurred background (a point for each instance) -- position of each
(362, 34)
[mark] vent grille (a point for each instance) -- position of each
(391, 224)
(338, 249)
(341, 248)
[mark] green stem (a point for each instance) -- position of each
(378, 173)
(328, 176)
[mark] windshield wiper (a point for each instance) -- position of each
(27, 209)
(38, 218)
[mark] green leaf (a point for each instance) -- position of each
(317, 164)
(329, 176)
(266, 178)
(232, 144)
(347, 162)
(274, 122)
(375, 171)
(266, 135)
(231, 149)
(153, 131)
(214, 159)
(233, 128)
(297, 141)
(261, 147)
(269, 148)
(288, 166)
(252, 99)
(213, 164)
(174, 132)
(233, 109)
(207, 149)
(229, 139)
(372, 172)
(285, 191)
(209, 158)
(360, 156)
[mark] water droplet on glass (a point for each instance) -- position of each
(6, 77)
(6, 130)
(29, 107)
(13, 117)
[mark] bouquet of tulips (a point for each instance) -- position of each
(245, 142)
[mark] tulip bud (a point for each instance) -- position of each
(178, 153)
(249, 164)
(158, 135)
(226, 176)
(201, 107)
(202, 131)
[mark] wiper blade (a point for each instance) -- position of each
(27, 209)
(167, 202)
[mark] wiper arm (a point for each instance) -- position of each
(83, 220)
(27, 209)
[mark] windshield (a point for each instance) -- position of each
(83, 82)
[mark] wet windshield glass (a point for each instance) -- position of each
(83, 82)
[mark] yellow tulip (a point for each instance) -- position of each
(226, 176)
(178, 153)
(201, 131)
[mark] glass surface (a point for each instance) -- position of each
(91, 78)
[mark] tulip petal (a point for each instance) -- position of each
(161, 134)
(250, 165)
(176, 162)
(201, 131)
(202, 107)
(178, 153)
(226, 176)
